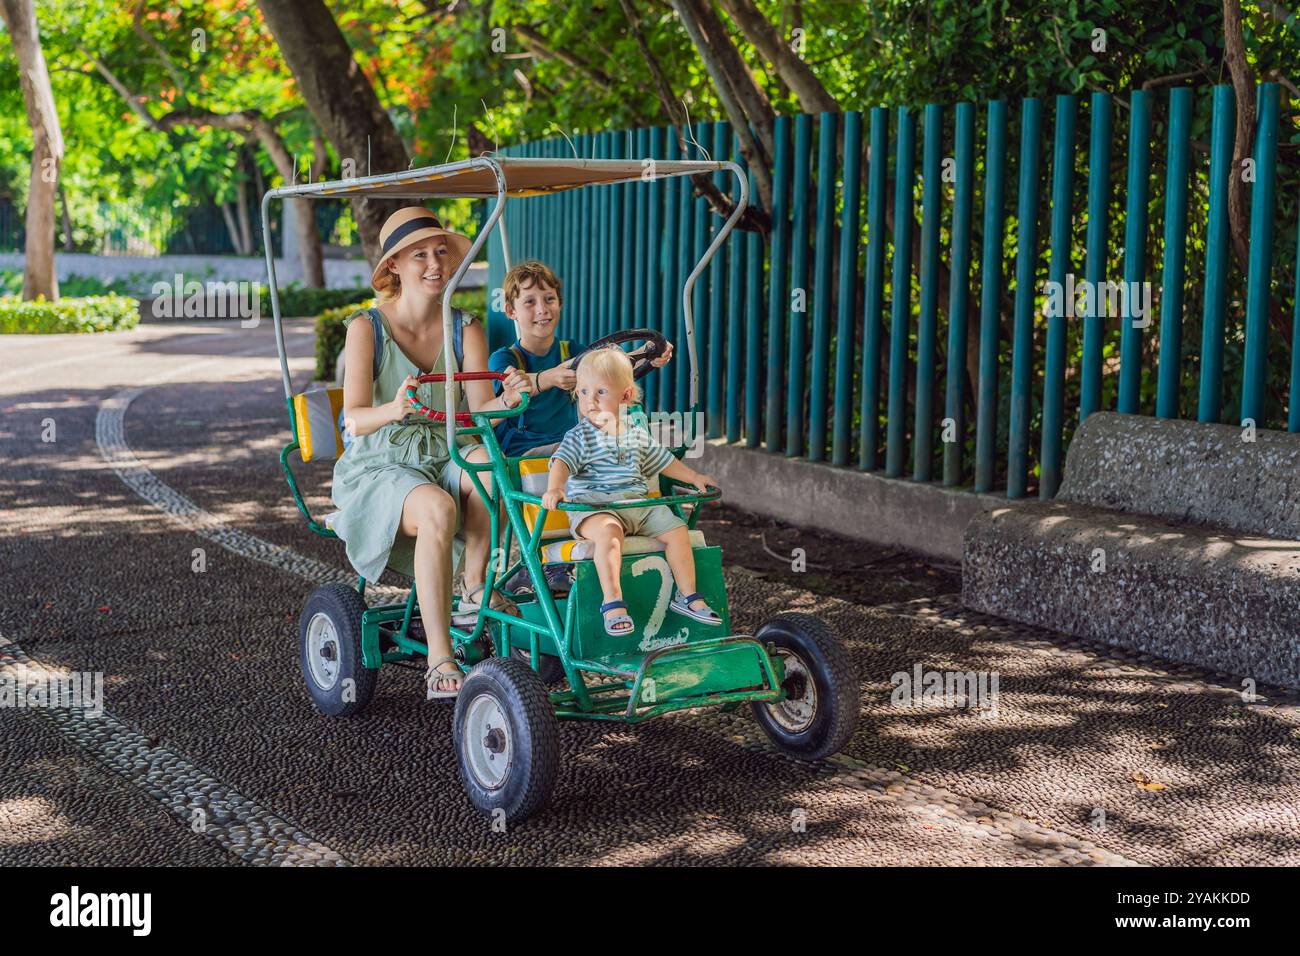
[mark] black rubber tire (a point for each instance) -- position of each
(343, 606)
(534, 733)
(835, 680)
(549, 667)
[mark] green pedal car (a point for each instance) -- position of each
(555, 659)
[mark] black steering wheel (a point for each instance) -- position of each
(641, 367)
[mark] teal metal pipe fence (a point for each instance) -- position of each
(987, 326)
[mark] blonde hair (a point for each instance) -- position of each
(610, 364)
(532, 273)
(389, 285)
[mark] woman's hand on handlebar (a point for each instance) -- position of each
(401, 403)
(513, 386)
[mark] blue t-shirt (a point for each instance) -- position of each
(550, 413)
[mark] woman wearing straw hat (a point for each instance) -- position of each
(402, 500)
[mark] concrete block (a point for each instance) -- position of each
(1173, 538)
(1216, 599)
(1187, 472)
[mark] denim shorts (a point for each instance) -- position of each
(650, 521)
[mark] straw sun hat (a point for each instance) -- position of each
(413, 224)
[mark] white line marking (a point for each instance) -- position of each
(204, 804)
(64, 360)
(233, 821)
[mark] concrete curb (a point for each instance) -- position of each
(924, 518)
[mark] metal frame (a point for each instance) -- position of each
(578, 701)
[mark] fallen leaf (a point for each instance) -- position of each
(1146, 783)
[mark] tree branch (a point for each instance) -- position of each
(166, 61)
(536, 43)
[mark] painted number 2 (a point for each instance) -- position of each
(655, 563)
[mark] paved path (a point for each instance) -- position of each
(166, 441)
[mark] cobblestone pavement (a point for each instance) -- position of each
(166, 441)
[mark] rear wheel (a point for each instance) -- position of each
(820, 710)
(507, 739)
(329, 636)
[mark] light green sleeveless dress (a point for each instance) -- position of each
(377, 471)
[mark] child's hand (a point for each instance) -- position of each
(513, 386)
(702, 482)
(401, 402)
(551, 498)
(561, 376)
(662, 360)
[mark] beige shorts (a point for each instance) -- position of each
(650, 521)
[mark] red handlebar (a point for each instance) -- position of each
(462, 418)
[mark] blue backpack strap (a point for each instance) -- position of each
(377, 326)
(458, 338)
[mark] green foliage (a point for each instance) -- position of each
(331, 333)
(100, 313)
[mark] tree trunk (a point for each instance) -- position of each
(39, 276)
(728, 71)
(67, 219)
(241, 201)
(309, 251)
(1243, 84)
(793, 71)
(342, 101)
(231, 229)
(752, 98)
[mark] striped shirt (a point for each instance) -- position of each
(599, 462)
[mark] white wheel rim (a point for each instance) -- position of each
(795, 714)
(323, 651)
(487, 742)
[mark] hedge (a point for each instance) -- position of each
(331, 333)
(296, 301)
(96, 313)
(330, 336)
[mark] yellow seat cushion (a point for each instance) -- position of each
(533, 474)
(316, 415)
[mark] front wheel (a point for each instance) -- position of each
(330, 651)
(507, 739)
(820, 710)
